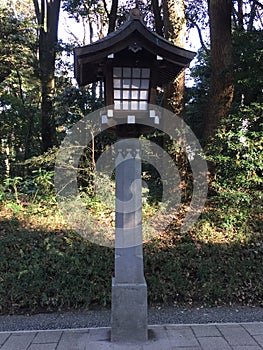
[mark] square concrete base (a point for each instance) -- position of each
(129, 312)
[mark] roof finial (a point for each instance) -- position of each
(135, 13)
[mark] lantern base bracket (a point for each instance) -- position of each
(129, 312)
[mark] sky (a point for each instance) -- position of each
(67, 25)
(69, 29)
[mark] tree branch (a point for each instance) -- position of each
(37, 10)
(259, 17)
(157, 17)
(105, 8)
(112, 16)
(258, 4)
(200, 37)
(252, 16)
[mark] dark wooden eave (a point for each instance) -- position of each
(90, 59)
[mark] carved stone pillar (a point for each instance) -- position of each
(129, 290)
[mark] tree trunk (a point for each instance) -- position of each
(175, 31)
(252, 16)
(113, 16)
(221, 85)
(48, 129)
(48, 17)
(157, 17)
(240, 15)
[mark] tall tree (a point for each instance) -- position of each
(175, 31)
(158, 21)
(47, 13)
(240, 14)
(19, 89)
(221, 88)
(112, 15)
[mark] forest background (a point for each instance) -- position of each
(44, 264)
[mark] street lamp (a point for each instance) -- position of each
(133, 62)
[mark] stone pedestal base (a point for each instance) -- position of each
(129, 312)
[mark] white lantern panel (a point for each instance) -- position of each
(135, 83)
(143, 105)
(117, 105)
(145, 84)
(104, 119)
(146, 73)
(126, 94)
(144, 95)
(130, 88)
(125, 105)
(117, 72)
(117, 83)
(110, 113)
(131, 119)
(134, 105)
(117, 94)
(126, 72)
(135, 94)
(126, 83)
(136, 72)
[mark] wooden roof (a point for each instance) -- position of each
(132, 44)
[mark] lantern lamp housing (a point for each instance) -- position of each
(133, 62)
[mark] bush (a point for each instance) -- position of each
(52, 271)
(237, 149)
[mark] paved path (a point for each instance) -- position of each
(231, 336)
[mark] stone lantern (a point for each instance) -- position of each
(132, 62)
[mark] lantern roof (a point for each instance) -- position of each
(133, 44)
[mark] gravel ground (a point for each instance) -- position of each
(161, 315)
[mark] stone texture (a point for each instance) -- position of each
(73, 340)
(236, 335)
(129, 313)
(214, 343)
(254, 328)
(165, 337)
(19, 341)
(206, 331)
(186, 348)
(98, 346)
(181, 336)
(49, 346)
(259, 339)
(101, 334)
(246, 347)
(127, 347)
(47, 337)
(3, 337)
(157, 339)
(129, 290)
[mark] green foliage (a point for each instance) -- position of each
(236, 155)
(16, 36)
(80, 9)
(51, 271)
(237, 151)
(38, 188)
(45, 266)
(73, 103)
(196, 96)
(208, 273)
(248, 55)
(57, 270)
(19, 91)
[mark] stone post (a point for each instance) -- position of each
(129, 290)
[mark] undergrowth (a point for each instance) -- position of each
(46, 266)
